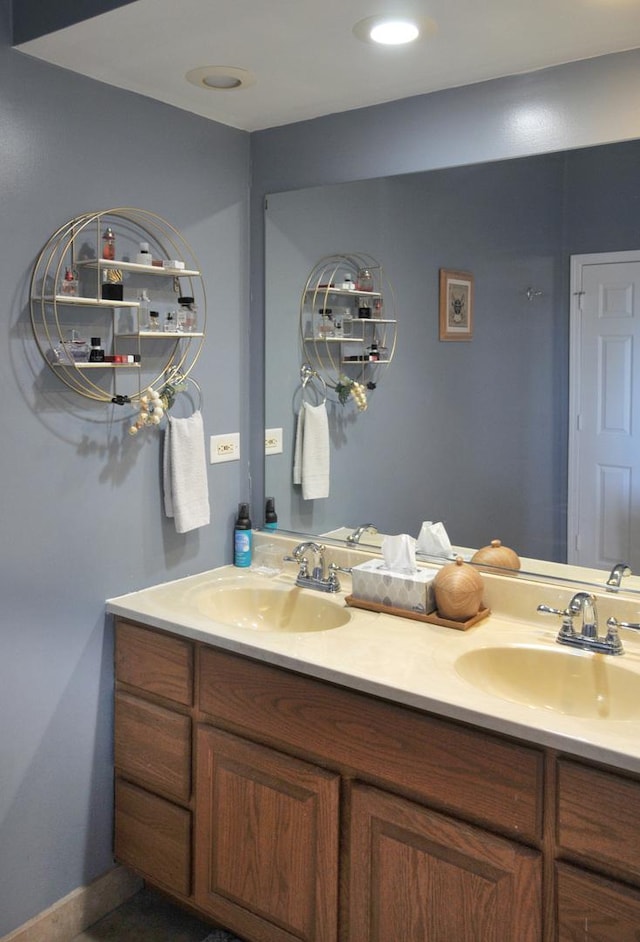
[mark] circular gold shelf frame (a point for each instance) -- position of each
(324, 356)
(62, 251)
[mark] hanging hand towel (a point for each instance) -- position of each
(311, 460)
(186, 494)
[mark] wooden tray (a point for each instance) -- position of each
(433, 619)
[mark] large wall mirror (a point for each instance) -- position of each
(473, 434)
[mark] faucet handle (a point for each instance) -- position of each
(566, 629)
(334, 569)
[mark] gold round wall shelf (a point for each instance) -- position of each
(129, 278)
(348, 323)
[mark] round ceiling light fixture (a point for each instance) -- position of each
(220, 78)
(393, 30)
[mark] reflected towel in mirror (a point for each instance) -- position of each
(186, 490)
(311, 457)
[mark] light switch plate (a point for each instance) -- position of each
(224, 447)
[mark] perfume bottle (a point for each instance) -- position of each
(108, 244)
(364, 280)
(96, 354)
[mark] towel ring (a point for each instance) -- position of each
(180, 380)
(307, 376)
(189, 379)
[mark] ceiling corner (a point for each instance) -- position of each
(33, 18)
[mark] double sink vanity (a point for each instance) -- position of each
(294, 768)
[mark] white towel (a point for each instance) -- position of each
(311, 454)
(186, 492)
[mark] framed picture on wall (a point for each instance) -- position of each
(456, 305)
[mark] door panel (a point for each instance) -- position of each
(604, 466)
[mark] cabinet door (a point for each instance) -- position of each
(418, 876)
(591, 909)
(266, 841)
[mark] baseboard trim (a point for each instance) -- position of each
(79, 909)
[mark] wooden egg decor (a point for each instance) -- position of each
(458, 590)
(497, 555)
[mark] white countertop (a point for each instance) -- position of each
(406, 661)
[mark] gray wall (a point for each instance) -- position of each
(81, 510)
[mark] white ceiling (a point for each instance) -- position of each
(308, 63)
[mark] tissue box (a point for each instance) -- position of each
(373, 582)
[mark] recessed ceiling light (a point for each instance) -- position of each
(393, 31)
(220, 78)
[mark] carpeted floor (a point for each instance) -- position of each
(149, 917)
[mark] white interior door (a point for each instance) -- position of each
(604, 436)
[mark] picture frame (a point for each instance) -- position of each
(456, 305)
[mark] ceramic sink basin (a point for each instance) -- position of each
(272, 608)
(592, 686)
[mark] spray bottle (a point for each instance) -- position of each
(242, 538)
(270, 515)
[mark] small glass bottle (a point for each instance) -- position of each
(69, 284)
(144, 315)
(187, 314)
(144, 255)
(96, 354)
(170, 322)
(154, 321)
(364, 280)
(347, 284)
(108, 244)
(347, 323)
(364, 308)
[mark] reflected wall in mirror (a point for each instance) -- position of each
(473, 435)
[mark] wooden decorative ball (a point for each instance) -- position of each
(458, 590)
(497, 555)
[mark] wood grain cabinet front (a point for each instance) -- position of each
(290, 809)
(153, 755)
(266, 841)
(598, 827)
(418, 875)
(153, 837)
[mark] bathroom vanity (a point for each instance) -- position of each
(349, 785)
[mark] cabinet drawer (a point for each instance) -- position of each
(155, 662)
(153, 837)
(599, 817)
(596, 910)
(459, 769)
(153, 745)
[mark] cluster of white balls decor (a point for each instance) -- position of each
(152, 410)
(359, 393)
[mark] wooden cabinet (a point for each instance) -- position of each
(293, 810)
(594, 909)
(418, 875)
(152, 755)
(267, 841)
(598, 826)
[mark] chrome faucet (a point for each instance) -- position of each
(616, 574)
(357, 533)
(588, 639)
(318, 577)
